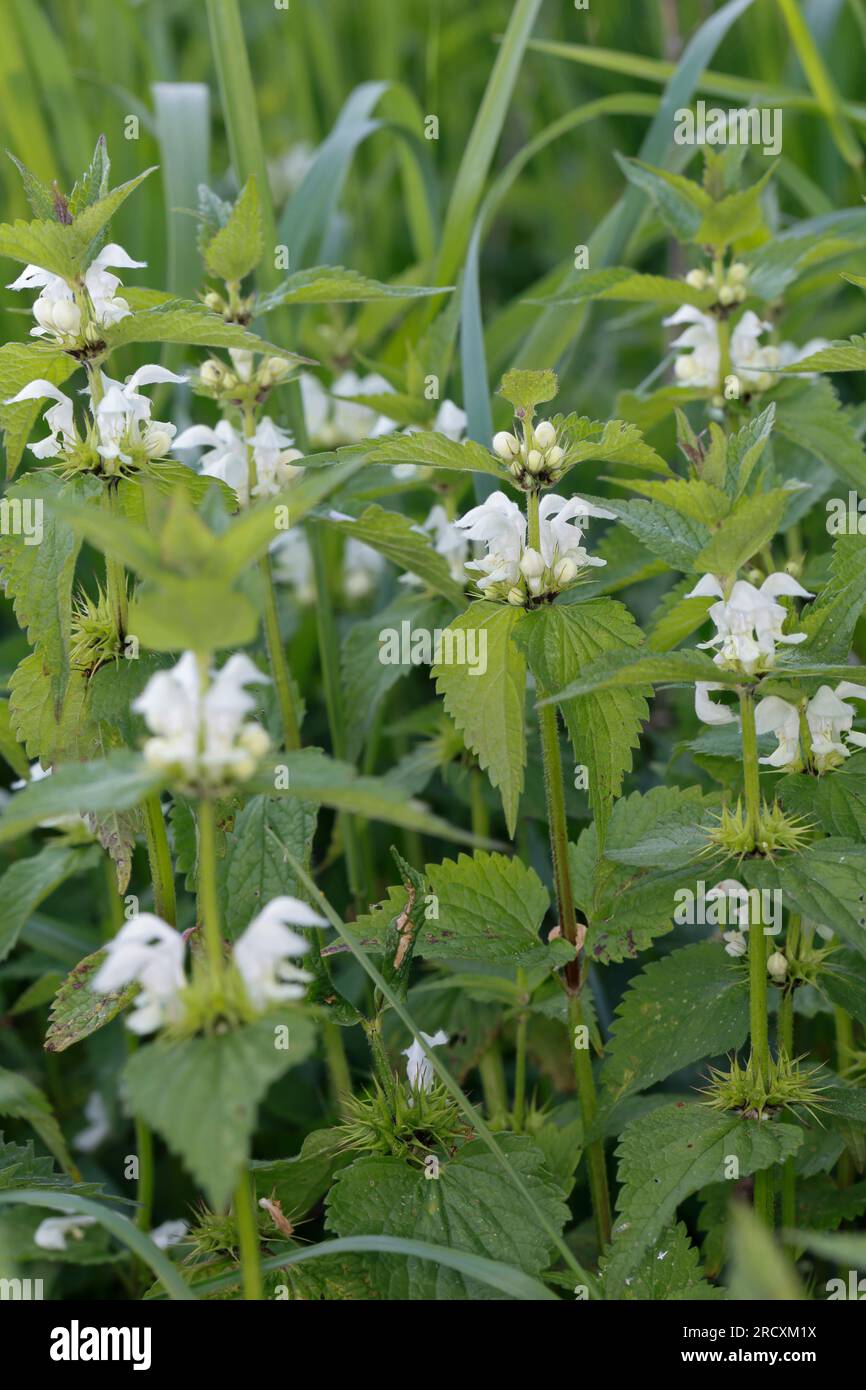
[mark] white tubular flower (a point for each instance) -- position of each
(226, 456)
(419, 1072)
(709, 711)
(273, 457)
(735, 943)
(830, 720)
(700, 367)
(749, 622)
(561, 541)
(54, 1231)
(532, 567)
(263, 954)
(202, 736)
(57, 315)
(331, 420)
(501, 526)
(98, 1125)
(59, 418)
(148, 951)
(362, 568)
(169, 1233)
(448, 540)
(736, 910)
(293, 564)
(776, 716)
(123, 420)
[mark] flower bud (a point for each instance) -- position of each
(738, 272)
(777, 967)
(532, 564)
(255, 740)
(272, 370)
(545, 435)
(516, 468)
(697, 279)
(214, 301)
(534, 461)
(555, 456)
(212, 372)
(515, 597)
(157, 438)
(726, 295)
(506, 445)
(564, 571)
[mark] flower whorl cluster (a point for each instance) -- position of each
(727, 283)
(749, 621)
(534, 462)
(200, 733)
(72, 319)
(150, 953)
(245, 382)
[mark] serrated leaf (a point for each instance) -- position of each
(77, 1011)
(298, 1183)
(426, 449)
(525, 389)
(613, 441)
(403, 542)
(334, 284)
(810, 415)
(681, 204)
(836, 801)
(488, 709)
(186, 321)
(202, 1094)
(845, 355)
(621, 284)
(38, 194)
(118, 782)
(672, 1152)
(10, 748)
(20, 1099)
(692, 1004)
(490, 908)
(826, 882)
(257, 869)
(472, 1206)
(93, 183)
(676, 617)
(842, 978)
(676, 539)
(626, 669)
(28, 882)
(669, 1272)
(753, 522)
(604, 731)
(830, 621)
(237, 247)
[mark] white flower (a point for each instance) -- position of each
(755, 363)
(776, 716)
(451, 421)
(362, 568)
(829, 721)
(54, 1231)
(419, 1072)
(228, 456)
(710, 711)
(735, 908)
(561, 541)
(293, 564)
(55, 310)
(777, 967)
(263, 953)
(169, 1233)
(59, 418)
(123, 418)
(331, 420)
(202, 735)
(736, 943)
(98, 1128)
(150, 952)
(448, 540)
(501, 526)
(749, 622)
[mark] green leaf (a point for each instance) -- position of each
(624, 285)
(846, 355)
(118, 782)
(604, 730)
(675, 538)
(842, 978)
(526, 389)
(626, 669)
(185, 321)
(333, 284)
(20, 1099)
(202, 1094)
(314, 777)
(672, 1152)
(28, 882)
(614, 441)
(488, 709)
(734, 218)
(830, 621)
(672, 1273)
(299, 1183)
(753, 522)
(238, 246)
(256, 869)
(77, 1011)
(810, 415)
(403, 542)
(692, 1004)
(837, 801)
(93, 183)
(10, 748)
(759, 1269)
(681, 204)
(490, 908)
(174, 615)
(470, 1207)
(825, 882)
(427, 449)
(21, 363)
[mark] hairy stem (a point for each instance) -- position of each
(339, 1076)
(788, 1185)
(492, 1074)
(844, 1052)
(159, 858)
(248, 1237)
(208, 904)
(519, 1111)
(277, 660)
(758, 1028)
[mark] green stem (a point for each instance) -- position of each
(208, 904)
(758, 1027)
(492, 1074)
(277, 659)
(558, 830)
(248, 1238)
(339, 1076)
(788, 1186)
(844, 1054)
(115, 574)
(519, 1111)
(329, 648)
(159, 858)
(381, 1065)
